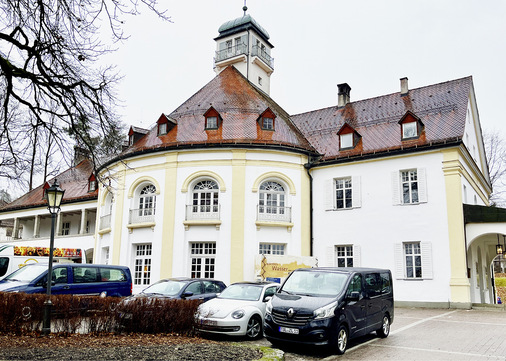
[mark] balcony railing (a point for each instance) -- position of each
(202, 212)
(105, 221)
(145, 215)
(231, 52)
(262, 54)
(274, 214)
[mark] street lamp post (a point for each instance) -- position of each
(54, 195)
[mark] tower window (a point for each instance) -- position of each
(259, 80)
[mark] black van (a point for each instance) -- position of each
(328, 306)
(70, 278)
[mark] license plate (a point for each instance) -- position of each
(209, 322)
(293, 331)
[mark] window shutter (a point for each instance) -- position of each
(356, 256)
(330, 256)
(399, 261)
(426, 248)
(329, 195)
(396, 188)
(356, 192)
(422, 185)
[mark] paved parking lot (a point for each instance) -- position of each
(426, 334)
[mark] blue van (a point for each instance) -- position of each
(70, 278)
(329, 306)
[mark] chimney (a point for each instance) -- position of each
(404, 86)
(343, 94)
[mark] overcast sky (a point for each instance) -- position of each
(318, 44)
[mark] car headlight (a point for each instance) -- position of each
(268, 307)
(238, 314)
(325, 311)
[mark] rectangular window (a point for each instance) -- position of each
(346, 140)
(344, 256)
(162, 128)
(271, 248)
(211, 122)
(343, 193)
(203, 257)
(142, 264)
(409, 130)
(413, 260)
(267, 123)
(65, 228)
(409, 184)
(229, 46)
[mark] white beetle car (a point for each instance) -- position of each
(239, 310)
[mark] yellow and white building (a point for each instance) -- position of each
(399, 181)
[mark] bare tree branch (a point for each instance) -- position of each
(50, 84)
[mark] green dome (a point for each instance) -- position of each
(243, 21)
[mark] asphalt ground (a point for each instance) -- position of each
(424, 334)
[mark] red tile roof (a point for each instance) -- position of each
(239, 104)
(74, 181)
(441, 108)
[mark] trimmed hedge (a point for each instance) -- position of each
(23, 313)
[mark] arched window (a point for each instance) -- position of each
(271, 198)
(205, 197)
(147, 200)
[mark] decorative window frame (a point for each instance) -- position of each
(189, 182)
(289, 190)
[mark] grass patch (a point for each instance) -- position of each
(500, 282)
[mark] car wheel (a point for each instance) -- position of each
(342, 340)
(254, 327)
(384, 331)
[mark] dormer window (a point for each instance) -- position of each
(411, 126)
(346, 140)
(213, 119)
(92, 183)
(267, 120)
(409, 130)
(348, 137)
(267, 123)
(131, 140)
(165, 124)
(211, 122)
(162, 128)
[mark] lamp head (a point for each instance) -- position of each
(54, 196)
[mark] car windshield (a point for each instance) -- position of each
(27, 273)
(169, 287)
(313, 283)
(242, 292)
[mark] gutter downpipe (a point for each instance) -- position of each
(307, 166)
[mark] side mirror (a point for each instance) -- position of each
(187, 294)
(353, 296)
(267, 298)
